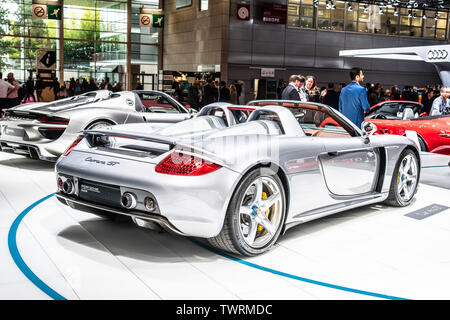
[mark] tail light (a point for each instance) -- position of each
(72, 146)
(185, 165)
(54, 120)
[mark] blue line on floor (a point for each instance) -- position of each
(15, 254)
(426, 167)
(291, 276)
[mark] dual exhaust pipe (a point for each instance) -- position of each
(128, 200)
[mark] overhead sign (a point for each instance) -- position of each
(158, 20)
(267, 72)
(145, 20)
(243, 12)
(46, 59)
(274, 13)
(39, 11)
(54, 12)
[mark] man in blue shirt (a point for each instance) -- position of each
(353, 101)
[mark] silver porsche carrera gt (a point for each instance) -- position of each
(45, 130)
(239, 186)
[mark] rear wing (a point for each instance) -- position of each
(96, 139)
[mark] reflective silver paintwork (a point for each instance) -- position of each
(20, 131)
(321, 174)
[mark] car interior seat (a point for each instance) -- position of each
(408, 114)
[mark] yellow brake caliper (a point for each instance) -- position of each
(264, 197)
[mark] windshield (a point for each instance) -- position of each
(391, 109)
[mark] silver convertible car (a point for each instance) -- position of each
(242, 186)
(45, 130)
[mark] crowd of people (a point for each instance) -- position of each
(358, 99)
(13, 93)
(202, 93)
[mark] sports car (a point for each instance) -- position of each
(398, 117)
(45, 131)
(243, 186)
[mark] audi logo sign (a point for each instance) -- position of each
(437, 54)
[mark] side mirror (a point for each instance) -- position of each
(192, 112)
(368, 129)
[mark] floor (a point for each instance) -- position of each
(375, 252)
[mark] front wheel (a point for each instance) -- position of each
(255, 215)
(405, 180)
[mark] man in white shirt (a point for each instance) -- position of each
(441, 105)
(5, 89)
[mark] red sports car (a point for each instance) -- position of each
(396, 117)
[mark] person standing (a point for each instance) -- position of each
(224, 92)
(39, 88)
(209, 93)
(332, 97)
(441, 105)
(5, 88)
(56, 87)
(233, 94)
(29, 90)
(427, 101)
(194, 96)
(353, 101)
(311, 90)
(292, 90)
(13, 95)
(139, 85)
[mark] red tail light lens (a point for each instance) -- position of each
(185, 165)
(73, 145)
(54, 120)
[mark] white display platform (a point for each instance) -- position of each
(357, 254)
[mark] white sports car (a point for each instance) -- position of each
(45, 130)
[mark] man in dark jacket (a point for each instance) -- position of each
(209, 93)
(332, 97)
(291, 92)
(224, 92)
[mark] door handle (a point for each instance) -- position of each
(333, 153)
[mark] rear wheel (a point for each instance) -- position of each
(255, 215)
(404, 180)
(100, 124)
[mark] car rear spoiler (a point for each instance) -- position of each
(130, 135)
(154, 138)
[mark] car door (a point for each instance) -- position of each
(159, 108)
(350, 165)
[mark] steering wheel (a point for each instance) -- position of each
(380, 116)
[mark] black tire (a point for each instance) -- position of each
(230, 238)
(422, 145)
(99, 124)
(395, 199)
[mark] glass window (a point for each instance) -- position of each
(301, 13)
(183, 3)
(204, 4)
(368, 18)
